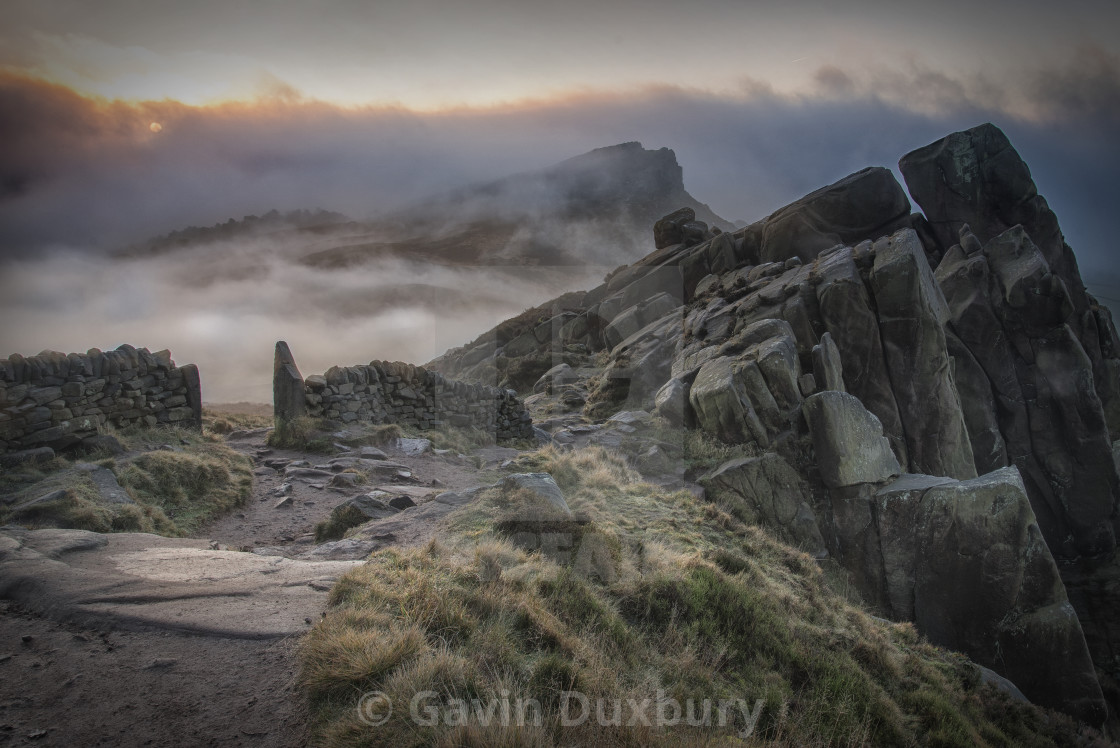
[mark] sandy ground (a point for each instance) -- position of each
(149, 642)
(66, 685)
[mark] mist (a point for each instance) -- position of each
(223, 306)
(81, 179)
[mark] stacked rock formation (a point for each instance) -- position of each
(59, 400)
(933, 398)
(395, 393)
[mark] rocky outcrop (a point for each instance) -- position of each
(398, 393)
(846, 313)
(964, 560)
(967, 563)
(1010, 314)
(61, 400)
(976, 179)
(852, 342)
(1035, 401)
(912, 315)
(867, 204)
(766, 490)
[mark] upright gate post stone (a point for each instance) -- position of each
(288, 401)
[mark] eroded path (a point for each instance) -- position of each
(135, 639)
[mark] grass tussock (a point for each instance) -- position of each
(374, 435)
(697, 607)
(204, 480)
(703, 452)
(226, 421)
(341, 520)
(181, 479)
(301, 433)
(606, 396)
(79, 507)
(13, 480)
(458, 439)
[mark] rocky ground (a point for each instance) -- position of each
(134, 639)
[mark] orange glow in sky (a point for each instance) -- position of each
(443, 54)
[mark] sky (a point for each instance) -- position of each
(120, 120)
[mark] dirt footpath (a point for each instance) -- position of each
(67, 685)
(138, 640)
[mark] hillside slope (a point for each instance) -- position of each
(931, 403)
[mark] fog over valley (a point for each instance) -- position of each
(223, 306)
(430, 240)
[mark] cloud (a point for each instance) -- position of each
(1085, 90)
(223, 306)
(89, 176)
(84, 172)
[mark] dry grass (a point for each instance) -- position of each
(16, 479)
(80, 508)
(225, 419)
(458, 439)
(181, 479)
(204, 480)
(695, 606)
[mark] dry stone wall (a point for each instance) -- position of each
(393, 392)
(58, 400)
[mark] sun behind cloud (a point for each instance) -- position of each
(155, 127)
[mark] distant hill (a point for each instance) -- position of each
(597, 209)
(624, 183)
(253, 225)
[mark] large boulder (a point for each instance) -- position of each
(752, 393)
(767, 491)
(721, 403)
(848, 441)
(976, 177)
(531, 509)
(912, 315)
(967, 563)
(547, 498)
(671, 403)
(864, 205)
(846, 312)
(679, 227)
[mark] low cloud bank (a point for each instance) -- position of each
(214, 307)
(81, 178)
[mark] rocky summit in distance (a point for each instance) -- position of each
(930, 401)
(593, 209)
